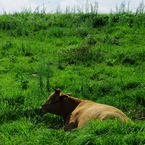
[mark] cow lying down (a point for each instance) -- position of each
(76, 112)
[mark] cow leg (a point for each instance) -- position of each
(69, 126)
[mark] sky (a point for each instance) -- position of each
(104, 6)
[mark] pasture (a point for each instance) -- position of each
(98, 57)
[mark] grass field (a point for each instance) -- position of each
(98, 57)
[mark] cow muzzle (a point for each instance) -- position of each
(42, 109)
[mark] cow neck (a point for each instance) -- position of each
(67, 106)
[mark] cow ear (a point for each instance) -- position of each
(64, 96)
(69, 94)
(57, 91)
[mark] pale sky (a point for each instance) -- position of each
(12, 6)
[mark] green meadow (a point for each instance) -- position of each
(98, 57)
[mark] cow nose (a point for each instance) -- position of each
(41, 107)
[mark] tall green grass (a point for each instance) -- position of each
(98, 57)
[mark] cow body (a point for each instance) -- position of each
(76, 112)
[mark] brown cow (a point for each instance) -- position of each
(76, 112)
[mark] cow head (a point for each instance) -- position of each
(54, 101)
